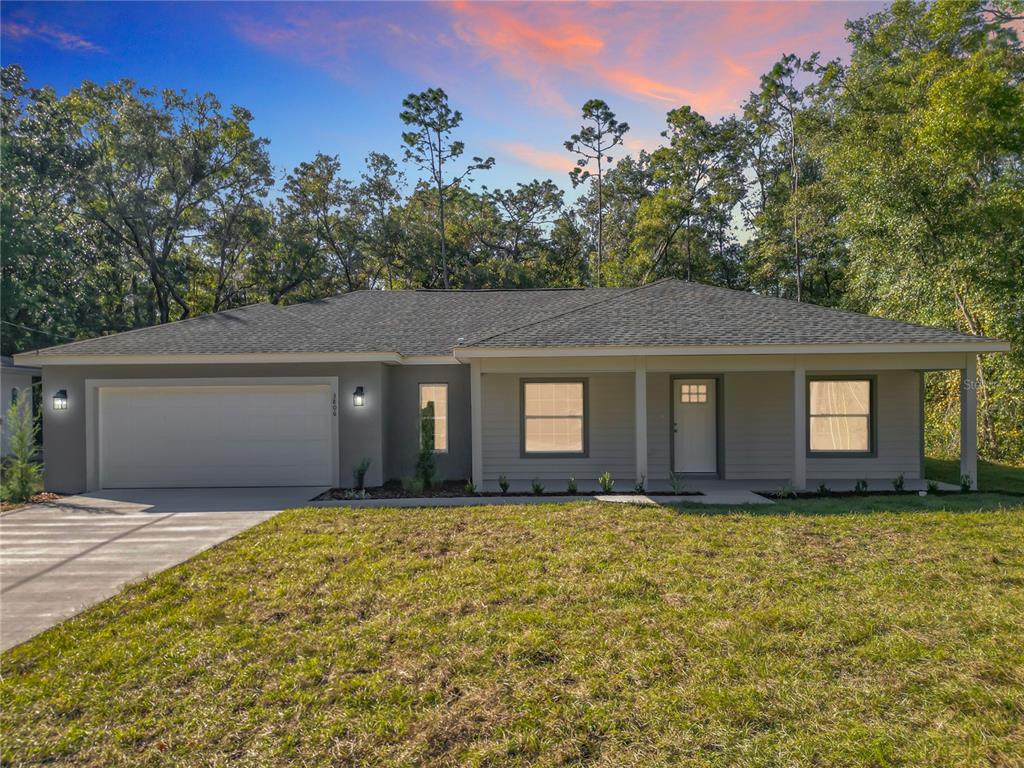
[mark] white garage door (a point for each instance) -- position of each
(208, 436)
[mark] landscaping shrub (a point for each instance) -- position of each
(21, 473)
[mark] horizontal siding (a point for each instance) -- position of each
(611, 438)
(758, 425)
(899, 435)
(659, 426)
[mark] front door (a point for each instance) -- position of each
(694, 426)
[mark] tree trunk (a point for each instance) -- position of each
(600, 219)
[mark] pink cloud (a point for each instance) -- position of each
(47, 33)
(545, 160)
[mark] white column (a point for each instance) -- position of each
(969, 420)
(477, 424)
(799, 427)
(640, 417)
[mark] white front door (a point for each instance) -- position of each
(694, 425)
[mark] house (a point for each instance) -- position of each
(16, 383)
(670, 377)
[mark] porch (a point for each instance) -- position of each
(629, 421)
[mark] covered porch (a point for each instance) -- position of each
(634, 420)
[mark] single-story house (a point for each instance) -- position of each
(669, 378)
(17, 385)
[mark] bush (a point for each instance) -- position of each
(359, 474)
(503, 484)
(412, 485)
(571, 487)
(897, 484)
(538, 489)
(607, 484)
(965, 483)
(641, 485)
(21, 474)
(933, 487)
(677, 483)
(861, 487)
(823, 490)
(469, 488)
(426, 470)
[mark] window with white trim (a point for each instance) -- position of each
(693, 393)
(553, 417)
(436, 394)
(840, 415)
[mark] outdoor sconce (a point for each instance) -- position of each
(358, 398)
(60, 400)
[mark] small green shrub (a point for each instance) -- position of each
(678, 486)
(861, 487)
(412, 485)
(641, 485)
(359, 474)
(503, 484)
(607, 484)
(21, 473)
(571, 486)
(965, 483)
(786, 492)
(933, 487)
(897, 484)
(538, 488)
(469, 488)
(426, 470)
(823, 490)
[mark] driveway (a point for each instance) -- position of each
(59, 558)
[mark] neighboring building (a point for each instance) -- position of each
(671, 377)
(16, 381)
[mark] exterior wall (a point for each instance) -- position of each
(10, 379)
(611, 434)
(361, 430)
(758, 425)
(759, 430)
(898, 435)
(402, 427)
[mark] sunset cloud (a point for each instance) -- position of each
(541, 159)
(51, 35)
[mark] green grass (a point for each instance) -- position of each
(818, 633)
(991, 477)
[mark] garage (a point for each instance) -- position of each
(191, 435)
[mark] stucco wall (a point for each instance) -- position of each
(402, 422)
(360, 430)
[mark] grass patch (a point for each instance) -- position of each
(575, 634)
(997, 478)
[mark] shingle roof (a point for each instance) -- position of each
(678, 313)
(427, 322)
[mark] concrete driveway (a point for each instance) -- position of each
(59, 558)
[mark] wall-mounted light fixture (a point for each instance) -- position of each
(358, 398)
(60, 400)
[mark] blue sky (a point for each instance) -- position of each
(331, 77)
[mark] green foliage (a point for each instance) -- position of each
(537, 486)
(21, 471)
(861, 487)
(676, 482)
(503, 485)
(898, 483)
(823, 490)
(571, 488)
(641, 485)
(469, 488)
(965, 483)
(412, 485)
(359, 474)
(606, 482)
(426, 469)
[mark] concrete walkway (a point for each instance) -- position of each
(59, 558)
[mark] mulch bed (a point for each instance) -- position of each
(456, 489)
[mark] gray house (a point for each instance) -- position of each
(669, 378)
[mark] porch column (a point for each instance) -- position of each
(969, 420)
(799, 427)
(640, 417)
(476, 424)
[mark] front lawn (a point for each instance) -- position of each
(587, 633)
(992, 477)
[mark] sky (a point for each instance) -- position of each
(330, 77)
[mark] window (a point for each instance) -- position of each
(693, 393)
(840, 416)
(553, 417)
(437, 395)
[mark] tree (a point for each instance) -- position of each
(430, 145)
(928, 158)
(159, 164)
(600, 132)
(379, 193)
(21, 473)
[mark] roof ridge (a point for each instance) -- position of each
(569, 311)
